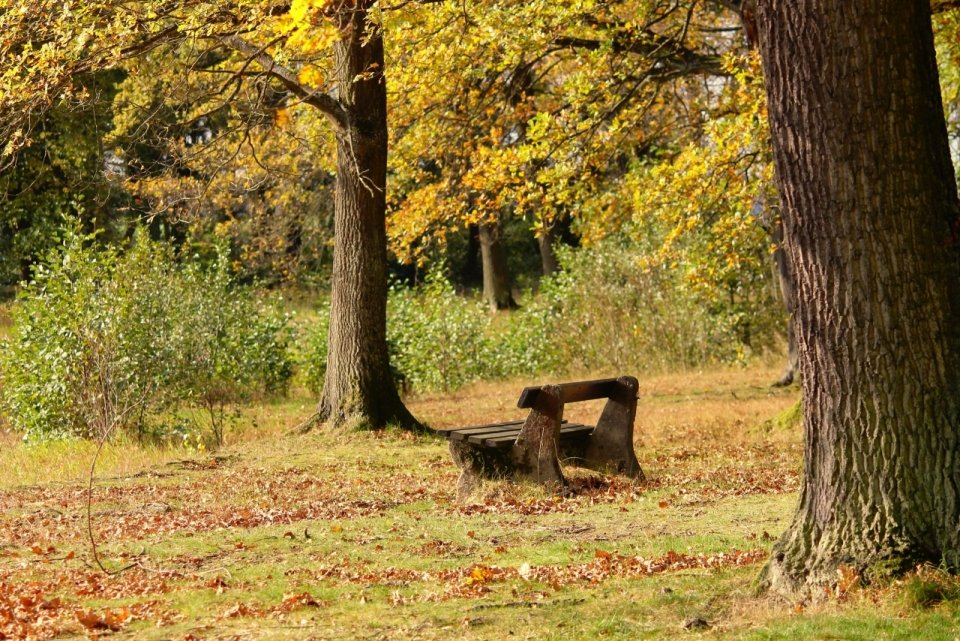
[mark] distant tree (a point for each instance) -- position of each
(871, 222)
(537, 110)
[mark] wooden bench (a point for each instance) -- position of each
(534, 449)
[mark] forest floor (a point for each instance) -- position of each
(343, 536)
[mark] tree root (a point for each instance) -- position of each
(306, 425)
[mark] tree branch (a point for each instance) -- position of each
(939, 6)
(732, 5)
(401, 5)
(665, 52)
(321, 100)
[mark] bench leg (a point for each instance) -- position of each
(610, 448)
(534, 456)
(536, 450)
(477, 464)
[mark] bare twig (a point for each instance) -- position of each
(93, 541)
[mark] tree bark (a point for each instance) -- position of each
(496, 277)
(359, 390)
(869, 213)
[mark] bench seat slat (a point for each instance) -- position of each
(479, 437)
(475, 429)
(479, 429)
(504, 441)
(460, 433)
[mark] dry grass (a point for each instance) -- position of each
(722, 404)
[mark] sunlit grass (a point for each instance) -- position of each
(70, 460)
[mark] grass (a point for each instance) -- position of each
(332, 535)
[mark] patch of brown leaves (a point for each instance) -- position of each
(474, 580)
(27, 612)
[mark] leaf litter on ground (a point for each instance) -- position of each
(181, 530)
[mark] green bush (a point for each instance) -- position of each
(605, 311)
(438, 339)
(602, 312)
(104, 340)
(232, 347)
(312, 352)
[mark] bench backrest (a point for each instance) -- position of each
(572, 392)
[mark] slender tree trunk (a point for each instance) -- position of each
(359, 390)
(547, 255)
(472, 271)
(496, 277)
(788, 294)
(869, 209)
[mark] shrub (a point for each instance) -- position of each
(104, 340)
(312, 350)
(438, 339)
(604, 312)
(527, 342)
(232, 347)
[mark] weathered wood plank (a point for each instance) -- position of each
(573, 392)
(504, 441)
(461, 433)
(475, 429)
(479, 439)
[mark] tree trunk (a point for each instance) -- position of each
(547, 255)
(359, 390)
(869, 211)
(788, 295)
(472, 271)
(496, 278)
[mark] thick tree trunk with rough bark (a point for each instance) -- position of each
(869, 210)
(496, 277)
(359, 390)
